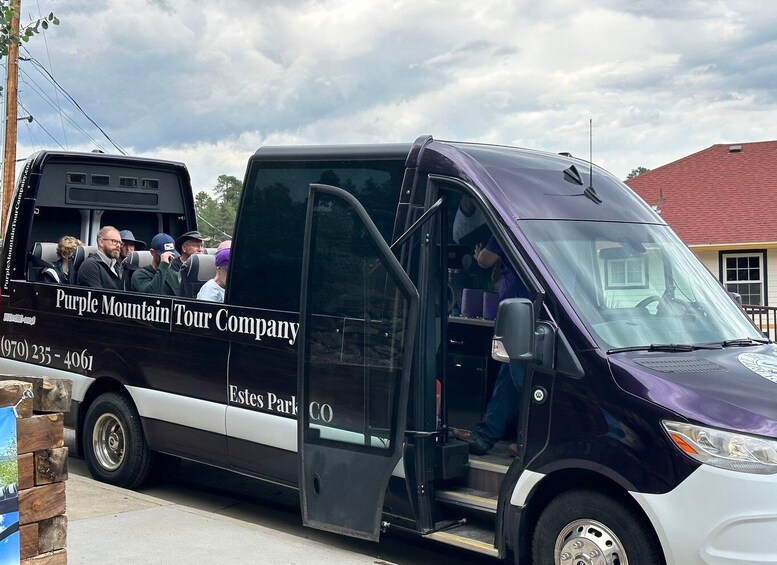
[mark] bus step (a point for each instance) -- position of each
(469, 498)
(468, 536)
(486, 473)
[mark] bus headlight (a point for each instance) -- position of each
(727, 450)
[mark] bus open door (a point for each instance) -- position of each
(358, 321)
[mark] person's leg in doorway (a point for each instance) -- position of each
(502, 409)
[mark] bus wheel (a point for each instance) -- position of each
(115, 448)
(589, 527)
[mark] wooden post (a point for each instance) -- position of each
(11, 101)
(42, 464)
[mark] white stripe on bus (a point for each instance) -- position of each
(248, 425)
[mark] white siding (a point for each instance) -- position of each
(771, 277)
(711, 260)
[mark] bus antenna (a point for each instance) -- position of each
(590, 192)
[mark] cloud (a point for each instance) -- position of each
(208, 81)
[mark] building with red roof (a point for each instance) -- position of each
(722, 202)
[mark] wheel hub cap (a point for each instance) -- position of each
(588, 542)
(108, 439)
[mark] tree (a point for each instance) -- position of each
(228, 189)
(217, 214)
(636, 172)
(7, 34)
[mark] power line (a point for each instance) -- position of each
(28, 80)
(47, 99)
(54, 106)
(48, 57)
(31, 135)
(37, 64)
(40, 126)
(214, 227)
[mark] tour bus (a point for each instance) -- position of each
(357, 331)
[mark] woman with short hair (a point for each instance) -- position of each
(59, 272)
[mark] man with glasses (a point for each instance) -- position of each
(100, 269)
(190, 243)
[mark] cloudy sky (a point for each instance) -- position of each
(207, 82)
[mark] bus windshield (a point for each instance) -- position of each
(637, 285)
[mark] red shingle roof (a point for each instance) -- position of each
(718, 195)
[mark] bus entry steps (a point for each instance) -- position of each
(468, 536)
(473, 499)
(486, 472)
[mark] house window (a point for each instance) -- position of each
(743, 273)
(626, 273)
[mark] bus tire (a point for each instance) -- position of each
(580, 525)
(115, 448)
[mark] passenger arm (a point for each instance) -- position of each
(143, 281)
(485, 258)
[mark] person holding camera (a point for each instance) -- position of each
(158, 278)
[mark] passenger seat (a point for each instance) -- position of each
(42, 256)
(195, 272)
(134, 261)
(82, 252)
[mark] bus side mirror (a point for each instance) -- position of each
(514, 331)
(736, 296)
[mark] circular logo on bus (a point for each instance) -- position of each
(764, 365)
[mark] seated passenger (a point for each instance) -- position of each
(158, 277)
(188, 244)
(101, 270)
(505, 403)
(128, 245)
(226, 244)
(59, 272)
(213, 290)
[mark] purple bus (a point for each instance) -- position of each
(362, 347)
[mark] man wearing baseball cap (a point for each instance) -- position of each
(158, 278)
(188, 244)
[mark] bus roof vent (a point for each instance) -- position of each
(101, 180)
(101, 197)
(735, 149)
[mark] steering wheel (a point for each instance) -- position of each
(646, 301)
(673, 307)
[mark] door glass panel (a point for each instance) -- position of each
(356, 328)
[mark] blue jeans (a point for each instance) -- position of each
(504, 405)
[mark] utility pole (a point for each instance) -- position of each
(11, 87)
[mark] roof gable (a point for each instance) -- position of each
(726, 193)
